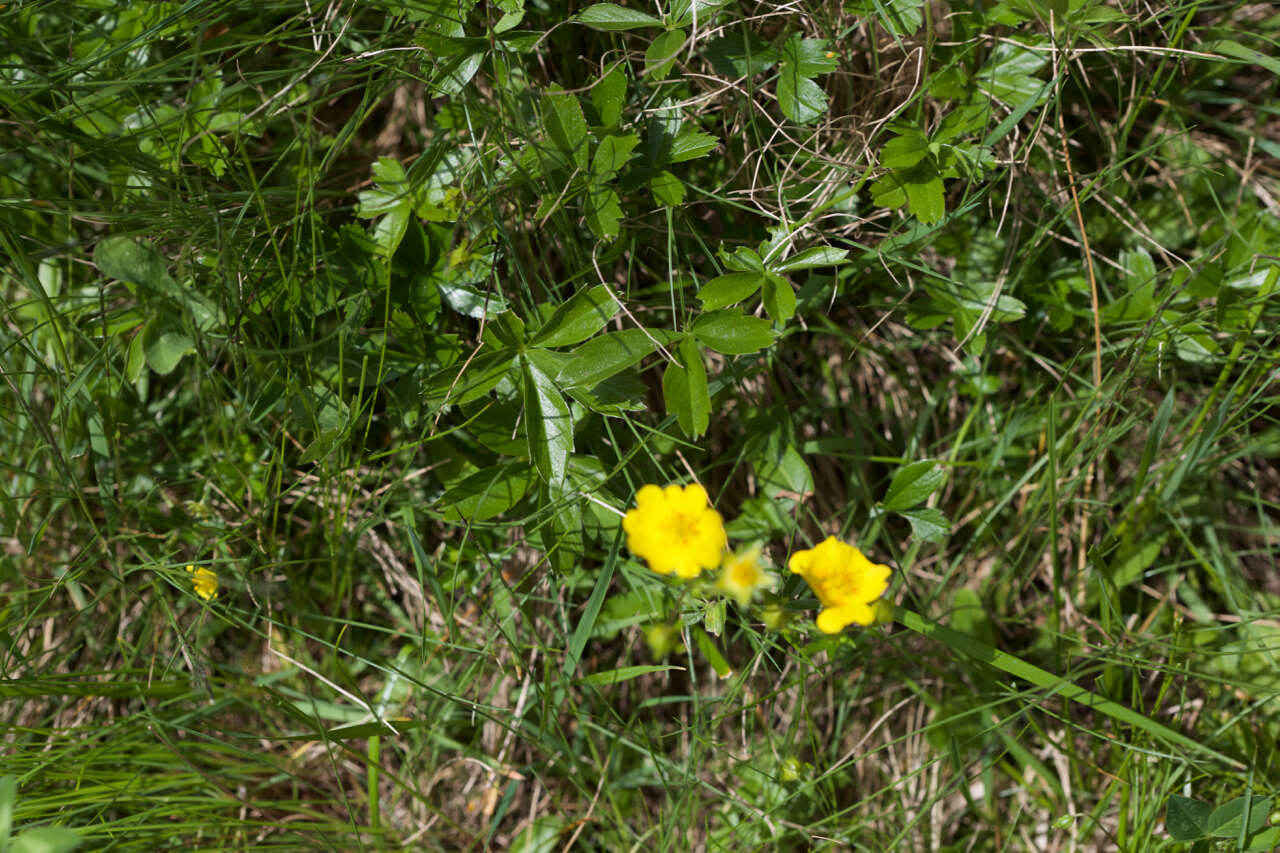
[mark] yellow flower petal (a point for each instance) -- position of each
(844, 580)
(675, 530)
(204, 581)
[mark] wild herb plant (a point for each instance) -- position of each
(692, 424)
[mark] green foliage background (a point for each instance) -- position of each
(384, 310)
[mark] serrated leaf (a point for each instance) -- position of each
(609, 95)
(912, 484)
(611, 17)
(927, 200)
(927, 524)
(685, 389)
(809, 56)
(779, 298)
(690, 146)
(487, 493)
(611, 155)
(800, 99)
(549, 424)
(563, 120)
(604, 212)
(818, 256)
(667, 189)
(732, 333)
(730, 288)
(662, 52)
(1228, 818)
(584, 314)
(610, 354)
(903, 152)
(889, 192)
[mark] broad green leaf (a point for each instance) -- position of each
(729, 288)
(926, 200)
(609, 96)
(126, 259)
(1228, 818)
(1008, 73)
(809, 56)
(685, 389)
(913, 483)
(779, 466)
(903, 152)
(662, 53)
(1264, 842)
(611, 17)
(616, 676)
(486, 493)
(779, 298)
(818, 256)
(685, 12)
(800, 99)
(667, 189)
(611, 155)
(584, 314)
(165, 344)
(604, 211)
(549, 424)
(563, 120)
(462, 383)
(740, 53)
(927, 524)
(969, 616)
(610, 354)
(888, 191)
(690, 146)
(614, 396)
(742, 259)
(898, 17)
(732, 333)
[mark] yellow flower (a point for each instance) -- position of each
(204, 581)
(845, 581)
(675, 530)
(742, 576)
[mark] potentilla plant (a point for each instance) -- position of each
(676, 531)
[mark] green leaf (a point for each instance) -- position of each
(1264, 842)
(662, 53)
(742, 259)
(741, 53)
(808, 56)
(801, 99)
(1227, 819)
(926, 200)
(818, 256)
(611, 155)
(903, 152)
(46, 839)
(604, 211)
(779, 466)
(899, 17)
(165, 344)
(610, 677)
(8, 794)
(685, 389)
(126, 259)
(927, 524)
(913, 483)
(1236, 50)
(690, 146)
(667, 189)
(731, 333)
(889, 192)
(470, 380)
(729, 288)
(1008, 74)
(486, 493)
(610, 354)
(611, 17)
(549, 424)
(563, 120)
(585, 313)
(609, 96)
(779, 298)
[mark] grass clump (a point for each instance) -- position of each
(339, 340)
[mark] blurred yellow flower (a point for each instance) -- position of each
(204, 581)
(845, 581)
(675, 530)
(742, 576)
